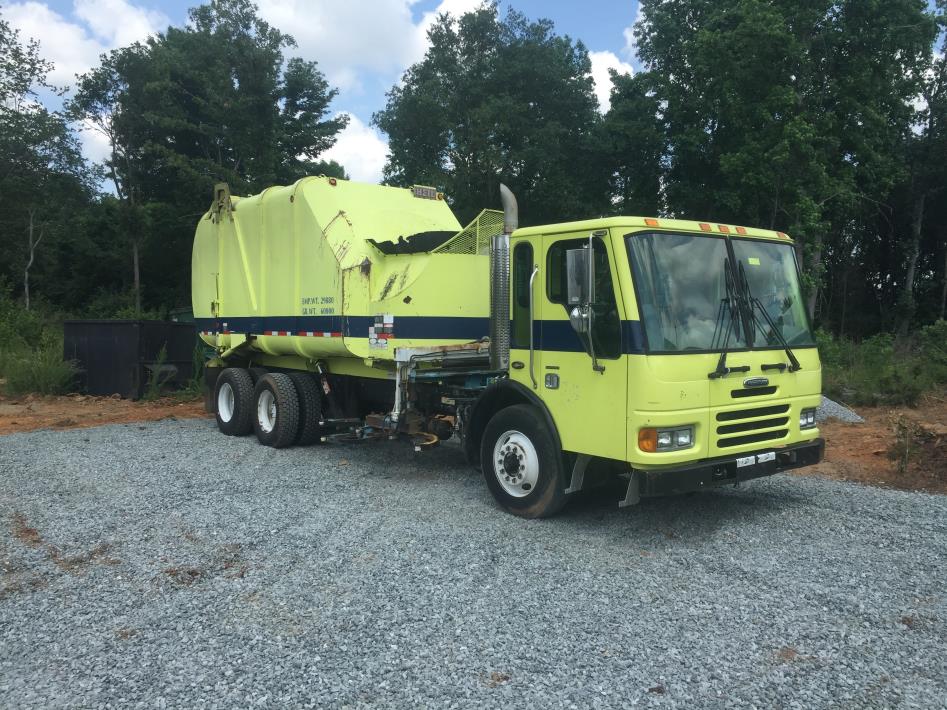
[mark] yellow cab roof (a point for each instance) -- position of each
(652, 223)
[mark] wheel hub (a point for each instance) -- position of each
(516, 463)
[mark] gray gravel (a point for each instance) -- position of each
(165, 565)
(831, 409)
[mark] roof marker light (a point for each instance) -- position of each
(723, 228)
(651, 222)
(704, 227)
(782, 235)
(741, 230)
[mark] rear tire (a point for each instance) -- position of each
(233, 401)
(276, 410)
(310, 409)
(520, 463)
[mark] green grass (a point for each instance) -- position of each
(39, 370)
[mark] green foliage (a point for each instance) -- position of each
(213, 101)
(19, 329)
(881, 369)
(499, 99)
(157, 377)
(40, 370)
(195, 385)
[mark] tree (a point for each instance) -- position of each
(213, 101)
(42, 172)
(785, 114)
(635, 145)
(499, 100)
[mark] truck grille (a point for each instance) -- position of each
(747, 425)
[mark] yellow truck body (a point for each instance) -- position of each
(373, 283)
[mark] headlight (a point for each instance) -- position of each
(807, 418)
(653, 440)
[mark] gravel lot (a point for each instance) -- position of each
(163, 564)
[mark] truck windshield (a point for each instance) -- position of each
(680, 280)
(682, 291)
(772, 277)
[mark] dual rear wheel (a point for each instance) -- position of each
(281, 409)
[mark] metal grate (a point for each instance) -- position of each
(475, 237)
(748, 413)
(752, 438)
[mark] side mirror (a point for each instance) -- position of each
(580, 321)
(578, 283)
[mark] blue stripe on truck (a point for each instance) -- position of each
(552, 335)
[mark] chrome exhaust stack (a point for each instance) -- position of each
(500, 283)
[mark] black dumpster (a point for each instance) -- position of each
(119, 356)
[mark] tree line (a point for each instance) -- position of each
(823, 119)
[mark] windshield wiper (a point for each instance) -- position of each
(755, 306)
(730, 304)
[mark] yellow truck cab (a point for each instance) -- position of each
(677, 355)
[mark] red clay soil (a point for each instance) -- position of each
(898, 447)
(19, 414)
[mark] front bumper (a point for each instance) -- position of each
(675, 479)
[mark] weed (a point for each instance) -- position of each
(158, 376)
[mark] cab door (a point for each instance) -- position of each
(525, 284)
(589, 405)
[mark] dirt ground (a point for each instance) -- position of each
(896, 447)
(19, 414)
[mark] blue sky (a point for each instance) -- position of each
(363, 46)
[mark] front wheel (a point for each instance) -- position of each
(520, 462)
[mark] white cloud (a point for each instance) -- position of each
(95, 145)
(349, 38)
(74, 47)
(630, 50)
(68, 45)
(117, 22)
(361, 150)
(601, 63)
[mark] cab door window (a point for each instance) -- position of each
(522, 270)
(606, 323)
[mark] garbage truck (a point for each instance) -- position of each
(662, 355)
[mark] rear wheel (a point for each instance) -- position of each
(520, 463)
(310, 409)
(233, 401)
(277, 410)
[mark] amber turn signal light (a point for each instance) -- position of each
(648, 440)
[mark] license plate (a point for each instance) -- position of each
(759, 458)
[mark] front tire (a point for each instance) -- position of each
(276, 407)
(520, 463)
(233, 401)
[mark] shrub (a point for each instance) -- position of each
(882, 370)
(41, 370)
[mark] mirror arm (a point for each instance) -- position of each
(532, 278)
